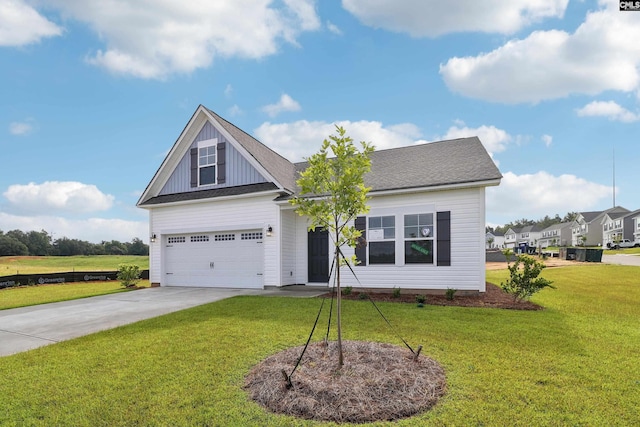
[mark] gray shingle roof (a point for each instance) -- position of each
(208, 194)
(429, 165)
(433, 164)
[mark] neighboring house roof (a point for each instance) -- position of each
(557, 226)
(530, 229)
(457, 162)
(590, 216)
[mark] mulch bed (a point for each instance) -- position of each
(377, 382)
(494, 297)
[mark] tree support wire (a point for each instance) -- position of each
(376, 307)
(287, 378)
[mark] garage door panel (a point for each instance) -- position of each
(229, 259)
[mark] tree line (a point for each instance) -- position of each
(542, 223)
(41, 243)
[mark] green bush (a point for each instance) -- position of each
(421, 299)
(129, 275)
(524, 281)
(450, 294)
(363, 295)
(347, 290)
(396, 292)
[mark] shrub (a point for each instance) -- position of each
(524, 280)
(129, 275)
(347, 290)
(363, 295)
(396, 292)
(421, 299)
(450, 294)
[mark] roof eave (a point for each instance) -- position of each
(208, 200)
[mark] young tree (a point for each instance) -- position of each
(332, 194)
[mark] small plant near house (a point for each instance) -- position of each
(363, 295)
(347, 290)
(450, 294)
(128, 275)
(421, 300)
(396, 292)
(524, 281)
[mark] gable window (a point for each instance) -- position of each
(207, 165)
(418, 238)
(381, 237)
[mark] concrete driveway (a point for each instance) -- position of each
(26, 328)
(623, 259)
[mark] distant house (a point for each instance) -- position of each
(219, 215)
(556, 235)
(494, 240)
(511, 238)
(529, 235)
(587, 228)
(635, 226)
(619, 225)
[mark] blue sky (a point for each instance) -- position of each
(93, 94)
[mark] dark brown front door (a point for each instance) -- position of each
(318, 245)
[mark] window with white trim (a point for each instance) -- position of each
(381, 236)
(418, 238)
(207, 165)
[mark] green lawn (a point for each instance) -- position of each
(42, 294)
(55, 264)
(574, 363)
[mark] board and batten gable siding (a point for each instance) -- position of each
(467, 269)
(214, 216)
(238, 169)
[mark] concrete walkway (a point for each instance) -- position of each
(26, 328)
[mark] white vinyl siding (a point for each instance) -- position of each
(218, 216)
(467, 244)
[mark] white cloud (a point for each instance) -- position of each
(235, 110)
(547, 139)
(334, 28)
(228, 91)
(494, 140)
(92, 230)
(432, 18)
(286, 103)
(21, 128)
(609, 109)
(303, 138)
(536, 195)
(153, 39)
(21, 25)
(69, 196)
(598, 56)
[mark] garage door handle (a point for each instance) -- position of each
(212, 264)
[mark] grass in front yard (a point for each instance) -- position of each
(42, 294)
(10, 265)
(574, 363)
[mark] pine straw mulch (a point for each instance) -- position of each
(378, 382)
(494, 297)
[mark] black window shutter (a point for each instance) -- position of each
(194, 167)
(444, 238)
(220, 161)
(361, 248)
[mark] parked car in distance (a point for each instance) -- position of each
(625, 243)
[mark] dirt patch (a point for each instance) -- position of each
(494, 297)
(550, 262)
(378, 382)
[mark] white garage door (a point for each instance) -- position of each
(230, 259)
